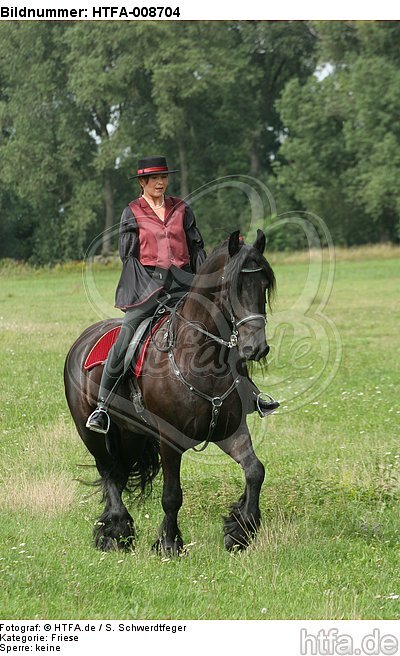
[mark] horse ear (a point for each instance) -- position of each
(259, 243)
(233, 245)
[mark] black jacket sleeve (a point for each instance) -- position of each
(128, 235)
(135, 284)
(194, 240)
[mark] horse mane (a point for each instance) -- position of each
(220, 258)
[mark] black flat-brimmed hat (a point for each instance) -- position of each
(152, 166)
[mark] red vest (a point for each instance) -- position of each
(161, 244)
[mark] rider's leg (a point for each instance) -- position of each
(258, 402)
(113, 371)
(264, 406)
(253, 400)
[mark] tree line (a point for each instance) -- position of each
(310, 109)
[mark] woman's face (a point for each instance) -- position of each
(155, 186)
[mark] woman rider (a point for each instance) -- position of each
(161, 249)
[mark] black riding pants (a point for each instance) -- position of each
(114, 367)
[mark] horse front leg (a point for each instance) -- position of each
(170, 541)
(114, 529)
(244, 520)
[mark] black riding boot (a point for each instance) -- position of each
(99, 420)
(265, 406)
(258, 401)
(113, 371)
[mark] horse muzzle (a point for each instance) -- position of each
(254, 353)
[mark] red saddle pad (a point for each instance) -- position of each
(99, 352)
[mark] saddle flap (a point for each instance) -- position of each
(142, 355)
(135, 342)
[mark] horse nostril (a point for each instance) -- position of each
(267, 350)
(247, 351)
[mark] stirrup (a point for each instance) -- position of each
(98, 429)
(260, 398)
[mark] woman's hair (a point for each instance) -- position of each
(145, 178)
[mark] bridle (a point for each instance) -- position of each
(250, 317)
(234, 338)
(215, 401)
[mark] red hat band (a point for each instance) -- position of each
(153, 169)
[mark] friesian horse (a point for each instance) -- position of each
(194, 389)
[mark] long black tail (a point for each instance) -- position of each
(145, 468)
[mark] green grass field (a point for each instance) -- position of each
(329, 542)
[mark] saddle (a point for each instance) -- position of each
(136, 352)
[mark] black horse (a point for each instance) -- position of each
(195, 388)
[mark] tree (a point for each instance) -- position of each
(313, 155)
(189, 70)
(106, 77)
(277, 51)
(310, 109)
(214, 87)
(42, 149)
(342, 146)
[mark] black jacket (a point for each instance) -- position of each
(137, 283)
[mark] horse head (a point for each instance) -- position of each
(249, 284)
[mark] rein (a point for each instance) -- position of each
(233, 340)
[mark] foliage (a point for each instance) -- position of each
(308, 109)
(43, 149)
(342, 150)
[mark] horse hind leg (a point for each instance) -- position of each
(244, 520)
(114, 529)
(123, 459)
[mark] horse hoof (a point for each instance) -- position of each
(167, 549)
(110, 543)
(238, 531)
(106, 543)
(235, 544)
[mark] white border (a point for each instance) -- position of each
(220, 10)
